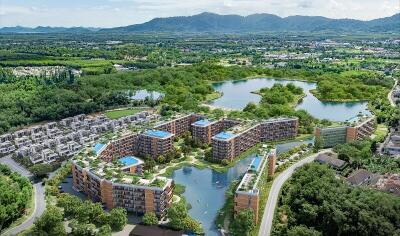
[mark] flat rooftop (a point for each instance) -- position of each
(224, 135)
(202, 123)
(158, 133)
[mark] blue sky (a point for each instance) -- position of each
(110, 13)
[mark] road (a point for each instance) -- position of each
(390, 97)
(40, 202)
(268, 216)
(7, 160)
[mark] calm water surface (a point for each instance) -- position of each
(237, 94)
(205, 189)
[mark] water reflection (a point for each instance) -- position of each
(237, 94)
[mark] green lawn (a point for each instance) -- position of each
(115, 114)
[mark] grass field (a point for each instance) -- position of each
(115, 114)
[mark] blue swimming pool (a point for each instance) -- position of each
(158, 133)
(128, 161)
(224, 135)
(98, 147)
(204, 122)
(255, 165)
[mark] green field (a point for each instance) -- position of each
(116, 114)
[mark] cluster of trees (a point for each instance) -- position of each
(243, 223)
(179, 218)
(15, 194)
(52, 223)
(353, 85)
(281, 94)
(89, 213)
(360, 154)
(315, 202)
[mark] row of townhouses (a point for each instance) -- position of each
(48, 142)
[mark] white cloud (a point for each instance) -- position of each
(110, 13)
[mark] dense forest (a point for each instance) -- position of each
(15, 193)
(25, 100)
(315, 202)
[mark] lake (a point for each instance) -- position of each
(205, 188)
(237, 94)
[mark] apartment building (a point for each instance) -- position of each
(203, 130)
(149, 143)
(230, 144)
(179, 125)
(278, 129)
(358, 129)
(247, 194)
(155, 143)
(137, 198)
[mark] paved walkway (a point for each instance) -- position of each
(268, 216)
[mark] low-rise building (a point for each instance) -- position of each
(331, 160)
(362, 177)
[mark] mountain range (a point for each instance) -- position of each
(214, 23)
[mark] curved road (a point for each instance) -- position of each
(40, 202)
(268, 216)
(390, 97)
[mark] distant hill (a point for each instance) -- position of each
(47, 29)
(214, 23)
(210, 22)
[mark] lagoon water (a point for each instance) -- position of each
(237, 94)
(205, 188)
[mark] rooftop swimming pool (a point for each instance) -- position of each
(224, 135)
(98, 147)
(255, 165)
(158, 133)
(202, 122)
(129, 161)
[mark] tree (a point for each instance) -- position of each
(303, 231)
(69, 203)
(150, 218)
(318, 144)
(104, 230)
(50, 223)
(118, 218)
(243, 223)
(90, 212)
(179, 218)
(82, 229)
(41, 170)
(149, 163)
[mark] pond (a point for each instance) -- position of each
(237, 94)
(205, 188)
